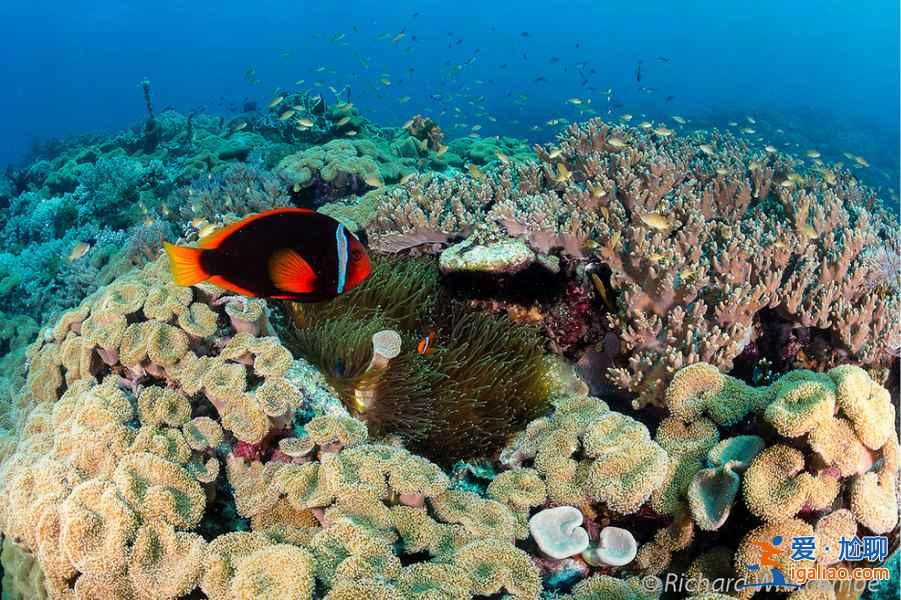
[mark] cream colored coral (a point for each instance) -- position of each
(829, 531)
(874, 499)
(163, 406)
(803, 401)
(202, 433)
(165, 344)
(222, 556)
(166, 301)
(605, 587)
(493, 566)
(245, 418)
(274, 573)
(700, 388)
(749, 554)
(277, 397)
(256, 486)
(165, 563)
(165, 442)
(621, 466)
(866, 403)
(198, 320)
(96, 526)
(327, 430)
(123, 297)
(160, 490)
(775, 485)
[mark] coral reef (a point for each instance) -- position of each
(719, 256)
(482, 381)
(824, 462)
(574, 366)
(144, 412)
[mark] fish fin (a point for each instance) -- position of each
(214, 239)
(184, 264)
(225, 284)
(291, 273)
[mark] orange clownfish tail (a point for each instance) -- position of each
(184, 264)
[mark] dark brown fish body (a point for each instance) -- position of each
(291, 254)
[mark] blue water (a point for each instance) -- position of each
(825, 72)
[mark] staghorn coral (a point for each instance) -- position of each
(712, 257)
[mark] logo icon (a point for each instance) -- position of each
(767, 552)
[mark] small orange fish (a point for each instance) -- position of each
(425, 345)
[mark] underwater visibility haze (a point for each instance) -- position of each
(433, 300)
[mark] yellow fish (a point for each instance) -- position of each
(286, 115)
(770, 149)
(342, 122)
(563, 174)
(79, 250)
(475, 172)
(812, 154)
(808, 231)
(707, 149)
(627, 117)
(305, 122)
(502, 157)
(441, 150)
(555, 153)
(602, 291)
(597, 191)
(374, 181)
(679, 120)
(276, 101)
(656, 221)
(645, 125)
(663, 131)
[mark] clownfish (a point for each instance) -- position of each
(425, 345)
(287, 253)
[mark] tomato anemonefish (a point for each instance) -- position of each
(287, 253)
(426, 344)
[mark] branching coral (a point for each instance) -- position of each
(712, 256)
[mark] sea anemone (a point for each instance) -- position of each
(484, 380)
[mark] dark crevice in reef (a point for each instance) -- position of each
(533, 284)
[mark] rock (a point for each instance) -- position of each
(507, 256)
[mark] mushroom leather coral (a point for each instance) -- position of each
(824, 456)
(115, 472)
